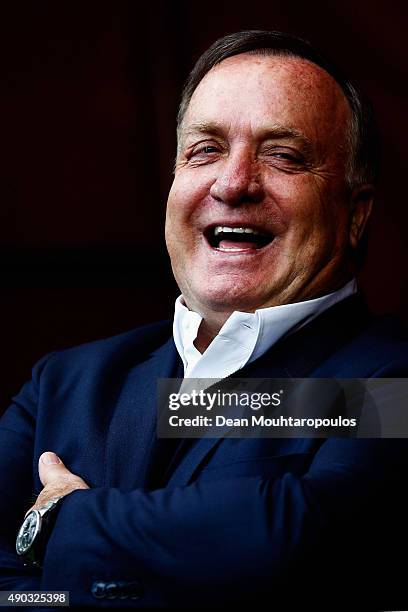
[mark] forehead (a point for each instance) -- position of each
(245, 91)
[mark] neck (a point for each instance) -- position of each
(207, 331)
(209, 328)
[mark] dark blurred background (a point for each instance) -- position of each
(89, 98)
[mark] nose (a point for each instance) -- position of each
(238, 181)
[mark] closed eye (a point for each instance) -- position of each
(286, 156)
(284, 159)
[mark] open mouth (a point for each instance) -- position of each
(230, 239)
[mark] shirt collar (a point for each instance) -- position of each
(244, 336)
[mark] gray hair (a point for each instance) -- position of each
(364, 144)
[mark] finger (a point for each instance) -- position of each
(51, 468)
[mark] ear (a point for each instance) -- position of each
(362, 199)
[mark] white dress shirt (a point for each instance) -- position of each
(244, 336)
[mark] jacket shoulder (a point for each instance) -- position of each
(380, 349)
(127, 346)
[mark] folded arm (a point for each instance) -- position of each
(231, 537)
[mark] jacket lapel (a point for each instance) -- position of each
(132, 430)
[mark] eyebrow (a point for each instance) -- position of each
(274, 130)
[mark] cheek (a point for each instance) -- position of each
(174, 202)
(308, 201)
(315, 217)
(187, 191)
(297, 197)
(183, 200)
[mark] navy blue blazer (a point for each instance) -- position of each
(221, 521)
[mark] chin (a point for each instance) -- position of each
(229, 297)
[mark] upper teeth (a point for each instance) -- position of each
(238, 230)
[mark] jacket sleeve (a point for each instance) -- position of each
(17, 427)
(231, 537)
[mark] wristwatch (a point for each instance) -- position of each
(34, 532)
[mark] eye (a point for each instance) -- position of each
(203, 153)
(205, 150)
(285, 158)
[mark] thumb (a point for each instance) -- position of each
(51, 468)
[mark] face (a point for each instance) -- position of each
(259, 213)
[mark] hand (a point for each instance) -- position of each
(58, 481)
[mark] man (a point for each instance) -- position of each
(273, 187)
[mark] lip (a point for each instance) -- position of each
(247, 252)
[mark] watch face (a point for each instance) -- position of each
(28, 532)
